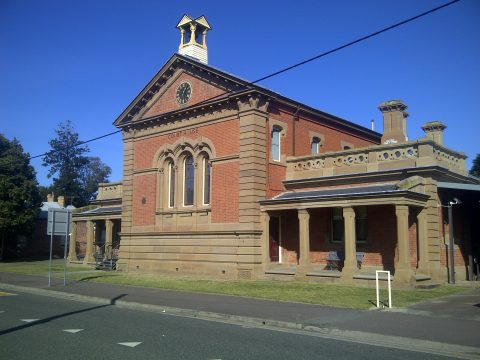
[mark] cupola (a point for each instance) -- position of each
(193, 37)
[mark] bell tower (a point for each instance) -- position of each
(193, 37)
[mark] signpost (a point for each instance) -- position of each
(377, 272)
(58, 224)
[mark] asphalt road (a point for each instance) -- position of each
(38, 327)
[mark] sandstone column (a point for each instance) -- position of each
(304, 236)
(350, 263)
(403, 270)
(72, 251)
(108, 237)
(89, 251)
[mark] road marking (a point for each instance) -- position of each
(2, 293)
(72, 331)
(2, 311)
(130, 344)
(29, 320)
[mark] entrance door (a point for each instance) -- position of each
(275, 241)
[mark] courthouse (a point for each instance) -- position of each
(227, 179)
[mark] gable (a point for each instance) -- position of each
(166, 100)
(159, 96)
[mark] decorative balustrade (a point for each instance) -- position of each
(424, 152)
(109, 191)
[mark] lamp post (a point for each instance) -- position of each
(451, 239)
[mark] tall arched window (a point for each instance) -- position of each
(207, 169)
(189, 181)
(171, 185)
(275, 140)
(315, 146)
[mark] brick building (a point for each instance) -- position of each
(232, 180)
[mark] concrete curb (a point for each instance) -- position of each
(396, 342)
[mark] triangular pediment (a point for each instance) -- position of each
(200, 20)
(203, 21)
(160, 95)
(184, 20)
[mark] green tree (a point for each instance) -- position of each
(66, 160)
(475, 170)
(93, 173)
(19, 195)
(75, 175)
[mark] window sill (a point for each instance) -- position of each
(184, 212)
(278, 163)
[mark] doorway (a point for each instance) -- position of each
(275, 243)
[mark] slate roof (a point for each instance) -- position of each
(245, 85)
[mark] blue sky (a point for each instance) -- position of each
(86, 60)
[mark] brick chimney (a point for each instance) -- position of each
(394, 122)
(49, 197)
(61, 201)
(434, 131)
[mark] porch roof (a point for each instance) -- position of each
(458, 186)
(343, 193)
(112, 210)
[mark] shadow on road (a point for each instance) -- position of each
(55, 317)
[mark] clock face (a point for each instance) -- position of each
(184, 92)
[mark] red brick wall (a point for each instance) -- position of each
(225, 189)
(144, 190)
(145, 149)
(289, 237)
(276, 174)
(460, 255)
(333, 139)
(381, 239)
(200, 91)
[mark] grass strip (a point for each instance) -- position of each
(294, 291)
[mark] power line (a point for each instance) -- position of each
(79, 143)
(351, 43)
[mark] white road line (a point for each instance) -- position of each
(130, 344)
(2, 311)
(29, 320)
(73, 331)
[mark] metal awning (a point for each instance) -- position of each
(458, 186)
(388, 190)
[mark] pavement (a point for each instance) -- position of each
(447, 326)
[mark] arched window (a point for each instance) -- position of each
(275, 140)
(207, 169)
(189, 181)
(171, 185)
(315, 146)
